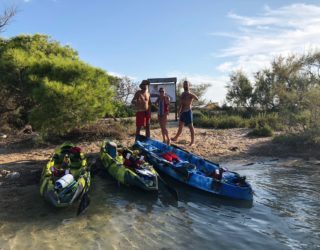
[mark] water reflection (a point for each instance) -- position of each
(284, 215)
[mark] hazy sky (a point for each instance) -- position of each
(203, 40)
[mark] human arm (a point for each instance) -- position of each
(180, 108)
(135, 98)
(157, 102)
(149, 104)
(167, 102)
(194, 97)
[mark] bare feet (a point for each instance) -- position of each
(174, 139)
(192, 144)
(168, 141)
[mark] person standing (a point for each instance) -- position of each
(185, 112)
(163, 103)
(142, 103)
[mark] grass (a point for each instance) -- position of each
(220, 122)
(306, 138)
(262, 124)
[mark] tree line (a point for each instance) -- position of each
(289, 87)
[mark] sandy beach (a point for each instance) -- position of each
(17, 154)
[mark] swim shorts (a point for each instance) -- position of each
(143, 118)
(186, 117)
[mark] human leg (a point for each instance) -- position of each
(138, 129)
(192, 134)
(165, 130)
(189, 122)
(181, 124)
(139, 123)
(147, 122)
(160, 120)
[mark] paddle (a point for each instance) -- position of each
(84, 203)
(85, 200)
(168, 187)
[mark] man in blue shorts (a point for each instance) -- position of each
(186, 118)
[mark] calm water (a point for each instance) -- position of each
(285, 214)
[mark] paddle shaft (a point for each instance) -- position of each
(169, 188)
(84, 198)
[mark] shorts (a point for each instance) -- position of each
(143, 118)
(186, 117)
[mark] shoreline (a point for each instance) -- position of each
(19, 155)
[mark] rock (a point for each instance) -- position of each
(3, 136)
(27, 129)
(5, 172)
(13, 175)
(234, 148)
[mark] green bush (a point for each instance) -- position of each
(262, 119)
(225, 122)
(220, 122)
(197, 114)
(264, 131)
(205, 122)
(47, 85)
(122, 110)
(310, 137)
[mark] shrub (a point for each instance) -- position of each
(47, 85)
(197, 114)
(262, 119)
(264, 131)
(225, 122)
(122, 110)
(310, 137)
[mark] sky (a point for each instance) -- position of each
(201, 40)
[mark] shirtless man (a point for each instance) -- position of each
(142, 103)
(185, 112)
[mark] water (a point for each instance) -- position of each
(285, 214)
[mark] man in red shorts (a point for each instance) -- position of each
(142, 103)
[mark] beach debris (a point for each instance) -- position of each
(249, 164)
(3, 136)
(13, 175)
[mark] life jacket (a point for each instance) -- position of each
(56, 172)
(169, 156)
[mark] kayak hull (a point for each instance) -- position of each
(195, 172)
(128, 176)
(70, 194)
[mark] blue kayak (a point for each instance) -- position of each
(194, 170)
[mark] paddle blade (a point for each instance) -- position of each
(171, 190)
(84, 203)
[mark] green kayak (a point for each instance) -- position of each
(128, 167)
(65, 177)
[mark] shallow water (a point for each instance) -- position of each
(285, 214)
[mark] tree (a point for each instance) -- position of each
(239, 90)
(290, 87)
(125, 89)
(47, 85)
(6, 17)
(263, 94)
